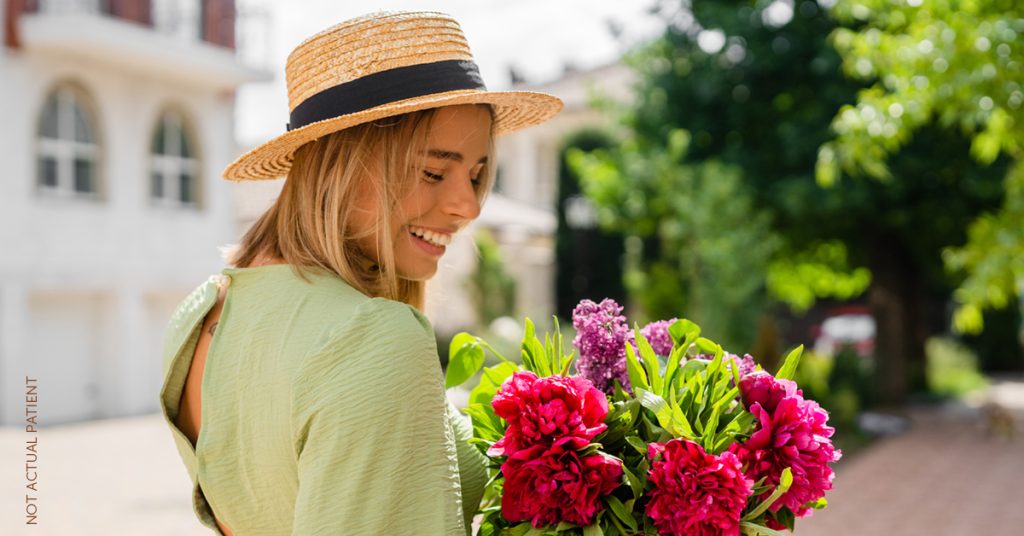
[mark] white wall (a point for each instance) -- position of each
(86, 287)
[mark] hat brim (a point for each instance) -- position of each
(513, 110)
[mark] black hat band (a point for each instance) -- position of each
(385, 87)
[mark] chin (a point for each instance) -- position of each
(422, 274)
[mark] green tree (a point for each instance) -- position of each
(958, 63)
(758, 91)
(706, 241)
(588, 259)
(491, 288)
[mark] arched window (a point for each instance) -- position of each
(174, 173)
(68, 145)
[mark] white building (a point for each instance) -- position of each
(117, 119)
(524, 220)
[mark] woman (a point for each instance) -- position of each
(302, 384)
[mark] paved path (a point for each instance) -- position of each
(943, 477)
(110, 477)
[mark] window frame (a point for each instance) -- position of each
(170, 165)
(66, 150)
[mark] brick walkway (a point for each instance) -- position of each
(943, 477)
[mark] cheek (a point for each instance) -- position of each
(419, 201)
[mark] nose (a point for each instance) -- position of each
(460, 200)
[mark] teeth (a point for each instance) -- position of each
(434, 238)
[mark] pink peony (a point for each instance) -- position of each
(555, 410)
(547, 485)
(791, 432)
(695, 493)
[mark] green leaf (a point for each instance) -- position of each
(679, 420)
(593, 530)
(490, 381)
(500, 372)
(692, 367)
(566, 362)
(753, 529)
(650, 360)
(637, 378)
(786, 517)
(682, 330)
(621, 512)
(788, 370)
(529, 358)
(486, 425)
(635, 485)
(517, 530)
(711, 428)
(557, 363)
(659, 406)
(785, 481)
(639, 444)
(706, 346)
(467, 356)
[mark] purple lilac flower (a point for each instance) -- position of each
(745, 363)
(601, 336)
(657, 334)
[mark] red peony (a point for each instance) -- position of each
(791, 432)
(556, 410)
(695, 493)
(547, 485)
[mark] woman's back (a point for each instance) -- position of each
(322, 411)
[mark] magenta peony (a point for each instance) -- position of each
(547, 485)
(762, 388)
(695, 493)
(791, 432)
(657, 334)
(555, 410)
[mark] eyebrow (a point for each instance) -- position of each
(450, 155)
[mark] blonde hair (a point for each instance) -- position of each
(309, 225)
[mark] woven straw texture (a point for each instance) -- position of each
(371, 44)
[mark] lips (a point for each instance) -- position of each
(436, 237)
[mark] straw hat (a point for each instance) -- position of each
(380, 65)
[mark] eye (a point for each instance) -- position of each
(476, 176)
(433, 176)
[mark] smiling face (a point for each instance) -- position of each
(443, 197)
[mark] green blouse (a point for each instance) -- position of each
(323, 412)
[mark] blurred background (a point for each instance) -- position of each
(843, 174)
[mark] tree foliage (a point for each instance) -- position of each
(957, 63)
(702, 219)
(491, 288)
(755, 93)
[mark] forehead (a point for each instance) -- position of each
(465, 128)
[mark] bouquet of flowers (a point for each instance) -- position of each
(660, 431)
